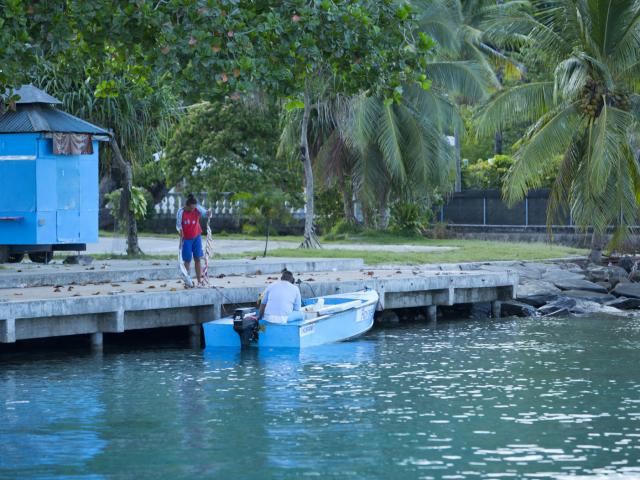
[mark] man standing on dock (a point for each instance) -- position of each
(190, 231)
(280, 299)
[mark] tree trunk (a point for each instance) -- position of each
(367, 216)
(266, 242)
(456, 140)
(497, 143)
(347, 200)
(310, 239)
(125, 199)
(384, 211)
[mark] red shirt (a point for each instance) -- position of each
(191, 224)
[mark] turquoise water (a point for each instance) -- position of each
(486, 399)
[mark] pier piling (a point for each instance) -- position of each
(97, 341)
(496, 309)
(432, 313)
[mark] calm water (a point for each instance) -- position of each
(510, 398)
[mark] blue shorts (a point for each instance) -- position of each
(192, 248)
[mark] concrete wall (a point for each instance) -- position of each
(570, 236)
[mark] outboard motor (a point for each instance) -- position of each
(246, 325)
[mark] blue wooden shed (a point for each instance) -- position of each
(48, 178)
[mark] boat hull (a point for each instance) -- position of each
(343, 317)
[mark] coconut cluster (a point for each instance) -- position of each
(594, 94)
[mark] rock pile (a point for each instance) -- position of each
(548, 289)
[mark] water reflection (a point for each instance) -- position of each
(298, 397)
(547, 398)
(64, 438)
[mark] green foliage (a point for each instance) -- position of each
(343, 227)
(141, 117)
(229, 147)
(490, 174)
(264, 207)
(329, 208)
(139, 204)
(407, 219)
(368, 44)
(486, 174)
(587, 114)
(210, 49)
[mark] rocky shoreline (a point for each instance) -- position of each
(574, 287)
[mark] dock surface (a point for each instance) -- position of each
(118, 306)
(36, 275)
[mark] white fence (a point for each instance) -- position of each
(169, 206)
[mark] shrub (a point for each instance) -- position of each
(486, 174)
(407, 219)
(343, 227)
(139, 204)
(329, 208)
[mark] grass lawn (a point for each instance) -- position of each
(467, 250)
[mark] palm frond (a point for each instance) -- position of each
(533, 160)
(608, 146)
(463, 78)
(522, 103)
(570, 77)
(389, 141)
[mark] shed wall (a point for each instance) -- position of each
(56, 196)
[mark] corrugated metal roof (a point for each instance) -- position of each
(31, 94)
(31, 118)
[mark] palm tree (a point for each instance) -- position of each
(140, 121)
(391, 149)
(401, 147)
(457, 27)
(589, 113)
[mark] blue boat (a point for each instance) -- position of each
(332, 318)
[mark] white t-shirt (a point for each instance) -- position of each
(281, 298)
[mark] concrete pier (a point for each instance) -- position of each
(38, 275)
(40, 312)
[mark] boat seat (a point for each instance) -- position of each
(314, 310)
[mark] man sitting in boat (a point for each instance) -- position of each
(280, 299)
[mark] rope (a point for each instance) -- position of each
(208, 251)
(183, 271)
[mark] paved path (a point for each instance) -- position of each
(166, 246)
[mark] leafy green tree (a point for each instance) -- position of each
(263, 207)
(589, 113)
(369, 45)
(204, 50)
(140, 117)
(229, 146)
